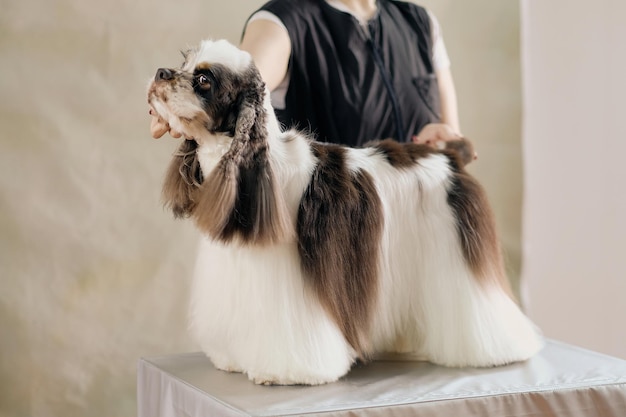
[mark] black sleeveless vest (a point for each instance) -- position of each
(351, 84)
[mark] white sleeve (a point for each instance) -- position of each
(277, 95)
(440, 54)
(265, 15)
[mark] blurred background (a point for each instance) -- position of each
(95, 274)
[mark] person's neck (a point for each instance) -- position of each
(362, 9)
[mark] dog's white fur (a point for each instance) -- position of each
(252, 310)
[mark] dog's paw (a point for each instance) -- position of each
(230, 369)
(268, 380)
(226, 366)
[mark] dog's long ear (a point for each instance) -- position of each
(241, 197)
(182, 180)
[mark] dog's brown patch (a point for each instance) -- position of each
(405, 155)
(203, 66)
(402, 155)
(476, 228)
(339, 230)
(462, 149)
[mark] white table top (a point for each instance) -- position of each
(562, 380)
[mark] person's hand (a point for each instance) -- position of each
(433, 134)
(441, 135)
(158, 126)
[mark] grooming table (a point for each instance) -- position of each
(562, 380)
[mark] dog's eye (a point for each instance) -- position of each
(203, 81)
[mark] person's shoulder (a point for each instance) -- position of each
(295, 14)
(415, 12)
(407, 6)
(292, 7)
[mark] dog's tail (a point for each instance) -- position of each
(462, 149)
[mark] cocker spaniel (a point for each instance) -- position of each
(315, 255)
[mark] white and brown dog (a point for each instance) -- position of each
(315, 255)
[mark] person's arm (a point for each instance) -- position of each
(270, 47)
(434, 134)
(448, 128)
(447, 95)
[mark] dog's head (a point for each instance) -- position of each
(208, 93)
(218, 92)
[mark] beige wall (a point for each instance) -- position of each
(93, 273)
(574, 146)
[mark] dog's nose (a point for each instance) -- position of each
(163, 74)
